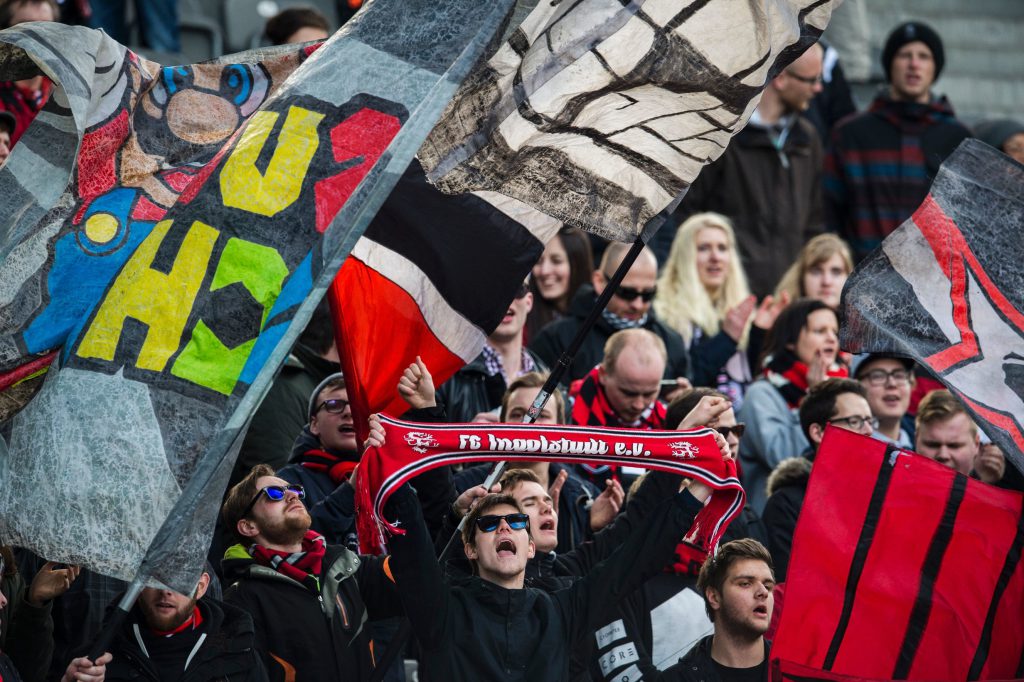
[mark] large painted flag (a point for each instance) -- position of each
(165, 233)
(902, 569)
(595, 113)
(947, 289)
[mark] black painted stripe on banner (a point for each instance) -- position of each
(929, 572)
(860, 555)
(472, 253)
(1009, 568)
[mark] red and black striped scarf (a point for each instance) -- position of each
(335, 466)
(789, 376)
(591, 407)
(302, 566)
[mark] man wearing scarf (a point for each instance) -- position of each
(622, 391)
(170, 636)
(628, 308)
(309, 600)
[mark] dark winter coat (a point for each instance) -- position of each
(226, 653)
(475, 630)
(471, 390)
(556, 337)
(26, 631)
(773, 198)
(698, 666)
(306, 636)
(787, 487)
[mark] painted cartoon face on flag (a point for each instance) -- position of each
(947, 289)
(179, 258)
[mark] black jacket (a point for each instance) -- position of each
(556, 337)
(698, 666)
(226, 653)
(787, 487)
(475, 630)
(471, 390)
(573, 503)
(305, 636)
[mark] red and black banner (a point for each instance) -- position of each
(903, 569)
(947, 289)
(412, 449)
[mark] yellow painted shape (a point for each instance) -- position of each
(100, 228)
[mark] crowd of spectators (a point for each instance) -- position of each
(562, 571)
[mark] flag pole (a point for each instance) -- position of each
(397, 644)
(106, 635)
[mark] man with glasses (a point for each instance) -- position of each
(474, 393)
(628, 308)
(889, 380)
(768, 180)
(309, 600)
(839, 402)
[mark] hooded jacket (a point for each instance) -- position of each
(305, 636)
(556, 337)
(523, 634)
(881, 165)
(224, 653)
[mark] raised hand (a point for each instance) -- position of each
(769, 309)
(606, 505)
(417, 386)
(817, 371)
(736, 318)
(555, 489)
(377, 434)
(51, 582)
(468, 499)
(705, 413)
(699, 489)
(84, 670)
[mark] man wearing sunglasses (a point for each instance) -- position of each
(492, 626)
(628, 308)
(474, 393)
(839, 402)
(309, 600)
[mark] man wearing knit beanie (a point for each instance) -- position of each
(882, 161)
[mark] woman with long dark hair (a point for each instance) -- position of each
(567, 263)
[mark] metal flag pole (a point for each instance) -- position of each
(397, 644)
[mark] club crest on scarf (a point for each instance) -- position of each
(420, 441)
(683, 450)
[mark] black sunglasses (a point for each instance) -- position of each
(275, 493)
(737, 430)
(490, 523)
(333, 405)
(630, 294)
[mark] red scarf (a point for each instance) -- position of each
(412, 449)
(302, 566)
(789, 376)
(191, 623)
(334, 466)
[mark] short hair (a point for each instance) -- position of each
(626, 338)
(615, 253)
(484, 505)
(239, 497)
(820, 403)
(716, 566)
(282, 25)
(513, 477)
(940, 405)
(788, 325)
(684, 404)
(7, 8)
(532, 380)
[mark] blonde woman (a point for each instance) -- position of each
(820, 271)
(703, 295)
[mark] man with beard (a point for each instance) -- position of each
(309, 600)
(169, 636)
(736, 583)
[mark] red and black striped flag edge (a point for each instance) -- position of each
(903, 569)
(431, 276)
(947, 289)
(787, 671)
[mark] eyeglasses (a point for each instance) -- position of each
(736, 430)
(523, 290)
(879, 377)
(631, 294)
(856, 422)
(275, 493)
(804, 79)
(333, 405)
(490, 522)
